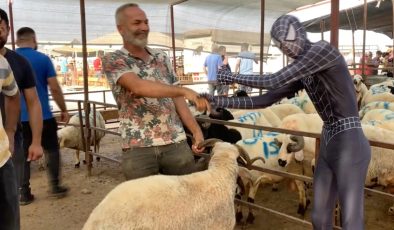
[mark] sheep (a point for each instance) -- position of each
(378, 115)
(263, 146)
(267, 147)
(304, 102)
(70, 136)
(254, 118)
(360, 87)
(300, 149)
(211, 130)
(284, 110)
(376, 105)
(379, 92)
(381, 167)
(202, 200)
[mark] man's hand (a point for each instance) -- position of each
(198, 138)
(64, 116)
(35, 152)
(199, 102)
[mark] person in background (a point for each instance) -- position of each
(368, 65)
(244, 64)
(151, 107)
(64, 69)
(9, 196)
(24, 76)
(376, 61)
(211, 65)
(97, 65)
(223, 54)
(45, 76)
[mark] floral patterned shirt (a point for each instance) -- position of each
(144, 121)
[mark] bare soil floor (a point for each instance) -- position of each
(72, 211)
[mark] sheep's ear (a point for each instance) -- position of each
(209, 142)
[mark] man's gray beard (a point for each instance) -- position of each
(137, 42)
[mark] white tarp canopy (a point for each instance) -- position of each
(59, 20)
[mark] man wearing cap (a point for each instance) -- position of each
(24, 77)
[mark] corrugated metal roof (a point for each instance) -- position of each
(59, 20)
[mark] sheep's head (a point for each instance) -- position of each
(289, 146)
(65, 136)
(360, 88)
(221, 148)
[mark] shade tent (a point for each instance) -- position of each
(70, 51)
(155, 39)
(379, 19)
(59, 20)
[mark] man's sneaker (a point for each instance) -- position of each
(58, 192)
(26, 199)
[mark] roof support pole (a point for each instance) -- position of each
(262, 12)
(334, 22)
(392, 26)
(87, 132)
(173, 30)
(322, 28)
(364, 37)
(11, 24)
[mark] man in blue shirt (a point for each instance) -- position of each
(45, 76)
(211, 65)
(244, 64)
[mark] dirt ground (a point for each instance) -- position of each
(72, 211)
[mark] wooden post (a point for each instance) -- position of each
(334, 22)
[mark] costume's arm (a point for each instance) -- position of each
(262, 101)
(317, 58)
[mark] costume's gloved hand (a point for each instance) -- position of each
(225, 77)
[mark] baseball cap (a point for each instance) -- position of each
(4, 16)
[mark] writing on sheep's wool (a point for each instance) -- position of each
(269, 148)
(379, 89)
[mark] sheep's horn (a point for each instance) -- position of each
(277, 142)
(257, 158)
(243, 158)
(209, 142)
(298, 145)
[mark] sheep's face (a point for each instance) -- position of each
(290, 147)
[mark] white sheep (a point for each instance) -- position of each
(361, 89)
(202, 200)
(284, 110)
(378, 115)
(297, 153)
(376, 105)
(381, 167)
(263, 146)
(70, 136)
(253, 118)
(378, 92)
(304, 102)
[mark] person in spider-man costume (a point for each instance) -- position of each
(345, 153)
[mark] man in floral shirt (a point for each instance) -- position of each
(151, 109)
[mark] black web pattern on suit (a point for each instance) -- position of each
(318, 56)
